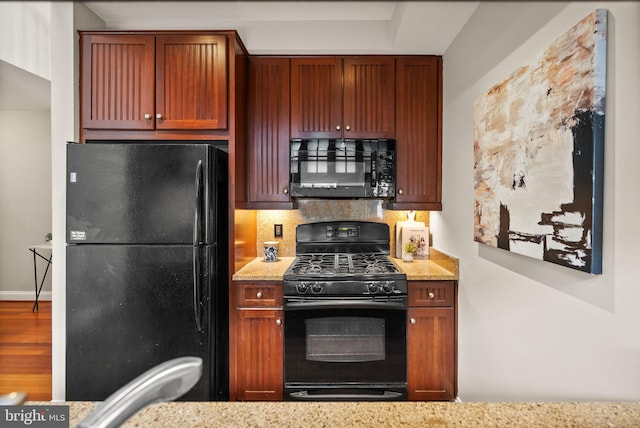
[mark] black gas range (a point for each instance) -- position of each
(343, 259)
(345, 305)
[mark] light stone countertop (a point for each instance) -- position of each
(259, 270)
(375, 414)
(439, 266)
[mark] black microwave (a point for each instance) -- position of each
(342, 168)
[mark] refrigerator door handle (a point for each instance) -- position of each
(197, 304)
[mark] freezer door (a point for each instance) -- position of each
(130, 193)
(130, 308)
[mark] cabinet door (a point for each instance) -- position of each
(117, 81)
(191, 82)
(316, 97)
(431, 354)
(369, 97)
(418, 133)
(269, 133)
(259, 356)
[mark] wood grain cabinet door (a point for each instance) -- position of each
(316, 97)
(369, 97)
(260, 360)
(268, 105)
(431, 353)
(418, 133)
(117, 81)
(191, 82)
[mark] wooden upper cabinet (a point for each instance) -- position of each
(118, 81)
(369, 97)
(316, 97)
(268, 104)
(191, 82)
(334, 97)
(154, 82)
(418, 133)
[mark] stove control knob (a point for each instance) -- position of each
(302, 288)
(373, 287)
(316, 287)
(388, 287)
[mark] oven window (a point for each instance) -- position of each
(345, 339)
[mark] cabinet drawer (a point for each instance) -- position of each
(258, 294)
(431, 293)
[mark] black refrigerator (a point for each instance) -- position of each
(146, 264)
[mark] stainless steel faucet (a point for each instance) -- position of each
(165, 382)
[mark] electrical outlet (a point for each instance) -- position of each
(277, 230)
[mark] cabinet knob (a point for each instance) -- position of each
(159, 116)
(147, 116)
(348, 128)
(259, 295)
(412, 320)
(400, 192)
(278, 322)
(337, 127)
(431, 295)
(285, 191)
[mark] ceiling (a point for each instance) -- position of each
(275, 27)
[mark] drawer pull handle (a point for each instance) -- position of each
(259, 295)
(278, 322)
(412, 320)
(431, 295)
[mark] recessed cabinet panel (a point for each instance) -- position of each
(257, 294)
(260, 355)
(316, 97)
(369, 97)
(191, 73)
(268, 105)
(431, 293)
(418, 133)
(431, 354)
(117, 82)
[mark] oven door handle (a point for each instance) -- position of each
(386, 396)
(344, 304)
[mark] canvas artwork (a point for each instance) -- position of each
(539, 148)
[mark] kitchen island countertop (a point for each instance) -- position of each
(375, 414)
(439, 266)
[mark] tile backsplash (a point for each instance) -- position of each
(314, 210)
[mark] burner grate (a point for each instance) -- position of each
(342, 263)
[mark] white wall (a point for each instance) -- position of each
(25, 200)
(25, 152)
(67, 18)
(530, 330)
(24, 35)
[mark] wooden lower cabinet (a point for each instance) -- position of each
(431, 341)
(259, 341)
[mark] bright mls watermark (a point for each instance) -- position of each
(34, 416)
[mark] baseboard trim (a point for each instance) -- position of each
(24, 295)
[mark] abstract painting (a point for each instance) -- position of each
(539, 153)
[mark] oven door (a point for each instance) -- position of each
(345, 350)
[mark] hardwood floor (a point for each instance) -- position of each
(25, 349)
